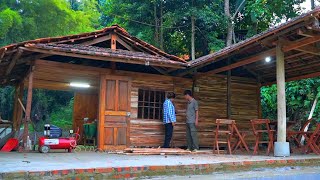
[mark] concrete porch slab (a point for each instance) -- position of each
(123, 166)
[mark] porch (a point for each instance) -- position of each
(91, 164)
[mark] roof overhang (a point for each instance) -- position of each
(299, 39)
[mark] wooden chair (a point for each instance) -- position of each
(295, 136)
(260, 127)
(224, 128)
(312, 139)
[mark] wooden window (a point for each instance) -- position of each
(150, 104)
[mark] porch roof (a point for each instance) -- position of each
(299, 38)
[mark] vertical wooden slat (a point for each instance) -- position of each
(259, 100)
(143, 104)
(229, 113)
(128, 117)
(149, 104)
(154, 104)
(117, 96)
(102, 103)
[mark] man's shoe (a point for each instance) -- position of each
(188, 149)
(195, 150)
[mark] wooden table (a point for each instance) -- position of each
(274, 124)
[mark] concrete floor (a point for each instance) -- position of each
(13, 162)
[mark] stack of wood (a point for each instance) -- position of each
(161, 151)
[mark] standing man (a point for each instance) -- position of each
(169, 118)
(192, 121)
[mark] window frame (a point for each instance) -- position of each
(145, 103)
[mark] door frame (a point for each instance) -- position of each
(102, 107)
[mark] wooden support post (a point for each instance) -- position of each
(28, 109)
(17, 111)
(281, 146)
(229, 92)
(102, 109)
(229, 95)
(259, 100)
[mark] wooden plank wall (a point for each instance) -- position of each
(147, 132)
(212, 99)
(244, 105)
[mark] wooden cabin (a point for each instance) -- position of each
(127, 79)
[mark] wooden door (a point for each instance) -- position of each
(85, 106)
(114, 112)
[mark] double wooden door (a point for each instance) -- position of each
(114, 112)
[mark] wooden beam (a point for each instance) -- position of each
(123, 43)
(14, 61)
(301, 43)
(113, 46)
(242, 62)
(309, 49)
(296, 78)
(113, 41)
(160, 70)
(306, 32)
(97, 40)
(2, 53)
(138, 45)
(104, 58)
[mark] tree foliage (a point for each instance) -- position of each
(299, 98)
(165, 24)
(24, 19)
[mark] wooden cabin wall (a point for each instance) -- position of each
(244, 101)
(148, 132)
(212, 98)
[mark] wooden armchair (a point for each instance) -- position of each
(260, 127)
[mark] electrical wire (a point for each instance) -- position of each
(147, 24)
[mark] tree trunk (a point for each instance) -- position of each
(161, 24)
(230, 28)
(312, 4)
(193, 51)
(310, 116)
(156, 22)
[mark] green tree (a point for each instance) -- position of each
(25, 19)
(299, 96)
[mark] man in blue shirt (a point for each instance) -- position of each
(169, 118)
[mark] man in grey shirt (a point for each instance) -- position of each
(192, 121)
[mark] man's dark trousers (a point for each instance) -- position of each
(168, 135)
